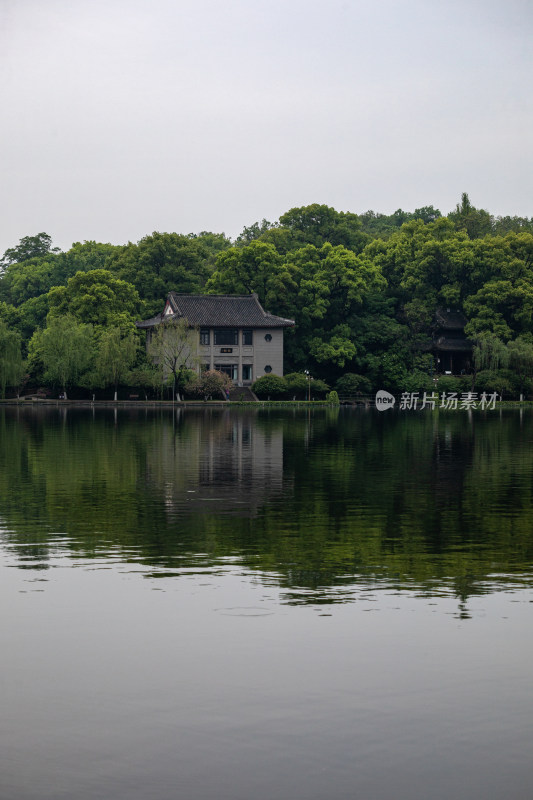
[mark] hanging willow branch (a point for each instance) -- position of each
(490, 353)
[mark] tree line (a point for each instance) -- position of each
(362, 288)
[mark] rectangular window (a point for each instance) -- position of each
(231, 370)
(247, 372)
(204, 336)
(226, 336)
(247, 336)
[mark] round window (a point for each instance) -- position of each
(268, 368)
(268, 337)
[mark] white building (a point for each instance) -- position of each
(235, 334)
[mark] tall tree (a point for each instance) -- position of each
(97, 297)
(490, 353)
(115, 354)
(172, 348)
(65, 348)
(242, 270)
(520, 352)
(317, 224)
(164, 262)
(475, 221)
(28, 247)
(11, 364)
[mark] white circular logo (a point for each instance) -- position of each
(384, 400)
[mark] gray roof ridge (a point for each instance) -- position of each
(147, 322)
(213, 296)
(256, 298)
(277, 316)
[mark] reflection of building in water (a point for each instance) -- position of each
(218, 461)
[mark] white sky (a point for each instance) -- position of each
(121, 117)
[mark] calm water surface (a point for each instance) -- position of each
(243, 604)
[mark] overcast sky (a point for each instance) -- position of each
(121, 117)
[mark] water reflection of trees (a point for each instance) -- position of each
(324, 501)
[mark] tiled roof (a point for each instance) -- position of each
(218, 310)
(449, 343)
(450, 320)
(150, 323)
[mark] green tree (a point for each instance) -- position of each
(65, 348)
(33, 277)
(31, 315)
(503, 225)
(116, 352)
(494, 381)
(29, 247)
(490, 353)
(8, 313)
(254, 231)
(476, 222)
(214, 243)
(270, 386)
(427, 214)
(253, 268)
(319, 224)
(11, 363)
(172, 348)
(23, 281)
(351, 384)
(520, 352)
(297, 384)
(501, 307)
(337, 349)
(323, 290)
(97, 297)
(164, 262)
(384, 225)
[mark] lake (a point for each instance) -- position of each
(242, 603)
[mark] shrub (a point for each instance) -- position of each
(352, 384)
(454, 383)
(333, 398)
(270, 386)
(417, 381)
(209, 384)
(297, 384)
(493, 381)
(318, 386)
(185, 377)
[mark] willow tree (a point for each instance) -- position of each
(65, 348)
(11, 364)
(116, 353)
(521, 360)
(490, 353)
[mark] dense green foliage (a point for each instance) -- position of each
(11, 364)
(362, 290)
